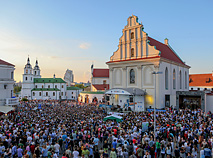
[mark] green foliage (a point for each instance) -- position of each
(80, 86)
(17, 89)
(24, 99)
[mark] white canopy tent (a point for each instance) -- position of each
(6, 109)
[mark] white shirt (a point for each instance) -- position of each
(75, 154)
(57, 147)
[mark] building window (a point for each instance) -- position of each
(33, 93)
(31, 78)
(166, 79)
(48, 86)
(180, 80)
(26, 78)
(42, 86)
(55, 86)
(72, 92)
(46, 93)
(53, 93)
(39, 93)
(198, 88)
(27, 71)
(191, 88)
(62, 93)
(131, 99)
(186, 80)
(205, 89)
(132, 76)
(35, 72)
(132, 52)
(62, 86)
(174, 79)
(104, 81)
(12, 75)
(72, 96)
(36, 86)
(132, 35)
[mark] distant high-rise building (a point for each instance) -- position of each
(69, 77)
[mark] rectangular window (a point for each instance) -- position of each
(53, 93)
(104, 81)
(131, 99)
(62, 93)
(33, 93)
(48, 86)
(26, 78)
(55, 86)
(42, 86)
(36, 86)
(72, 92)
(39, 93)
(46, 93)
(12, 75)
(62, 86)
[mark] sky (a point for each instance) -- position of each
(70, 34)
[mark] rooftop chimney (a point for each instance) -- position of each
(166, 41)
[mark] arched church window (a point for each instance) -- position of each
(132, 76)
(166, 79)
(174, 79)
(132, 35)
(26, 78)
(180, 80)
(35, 72)
(27, 71)
(132, 52)
(42, 86)
(186, 80)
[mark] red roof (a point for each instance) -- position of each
(101, 87)
(200, 80)
(101, 73)
(2, 62)
(166, 51)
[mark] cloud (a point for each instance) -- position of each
(84, 45)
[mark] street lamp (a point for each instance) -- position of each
(155, 73)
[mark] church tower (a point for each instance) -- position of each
(28, 80)
(36, 70)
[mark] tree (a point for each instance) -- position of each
(80, 86)
(17, 89)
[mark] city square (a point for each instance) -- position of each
(64, 93)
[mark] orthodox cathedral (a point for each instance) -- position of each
(35, 87)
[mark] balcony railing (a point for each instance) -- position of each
(11, 101)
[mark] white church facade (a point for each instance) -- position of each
(132, 65)
(35, 87)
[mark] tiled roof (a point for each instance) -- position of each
(45, 89)
(2, 62)
(73, 88)
(49, 80)
(200, 80)
(101, 73)
(101, 87)
(166, 51)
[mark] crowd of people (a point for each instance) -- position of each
(67, 130)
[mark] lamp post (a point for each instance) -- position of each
(155, 73)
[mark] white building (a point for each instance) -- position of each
(100, 79)
(137, 57)
(99, 84)
(6, 83)
(69, 77)
(73, 93)
(35, 87)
